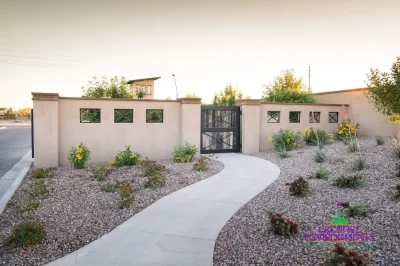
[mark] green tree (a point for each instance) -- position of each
(384, 91)
(286, 88)
(10, 114)
(227, 97)
(106, 88)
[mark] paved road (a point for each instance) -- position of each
(14, 143)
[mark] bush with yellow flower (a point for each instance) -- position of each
(313, 136)
(347, 129)
(78, 156)
(126, 158)
(285, 139)
(184, 153)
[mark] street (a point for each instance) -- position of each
(14, 143)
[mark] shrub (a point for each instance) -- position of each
(347, 129)
(26, 234)
(319, 156)
(126, 158)
(316, 137)
(126, 193)
(107, 187)
(350, 181)
(283, 153)
(185, 153)
(320, 174)
(201, 164)
(29, 207)
(101, 172)
(153, 171)
(353, 145)
(396, 145)
(356, 210)
(395, 192)
(38, 189)
(380, 140)
(38, 173)
(155, 181)
(341, 256)
(79, 156)
(282, 226)
(359, 163)
(299, 187)
(285, 139)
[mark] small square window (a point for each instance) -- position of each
(294, 117)
(273, 116)
(90, 115)
(123, 115)
(154, 115)
(333, 117)
(314, 117)
(148, 89)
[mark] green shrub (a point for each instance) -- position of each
(38, 173)
(152, 168)
(126, 158)
(341, 256)
(359, 163)
(350, 181)
(39, 189)
(107, 187)
(285, 139)
(26, 234)
(201, 164)
(317, 137)
(299, 187)
(347, 129)
(380, 140)
(79, 156)
(320, 174)
(185, 153)
(101, 172)
(356, 210)
(29, 207)
(283, 153)
(126, 193)
(319, 156)
(282, 226)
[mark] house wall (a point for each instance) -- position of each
(143, 82)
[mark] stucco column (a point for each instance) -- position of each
(45, 131)
(190, 121)
(250, 125)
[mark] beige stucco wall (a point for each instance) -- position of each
(250, 125)
(190, 124)
(268, 129)
(371, 123)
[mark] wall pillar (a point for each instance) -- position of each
(250, 125)
(45, 108)
(191, 121)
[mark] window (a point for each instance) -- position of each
(123, 115)
(294, 117)
(148, 89)
(273, 116)
(154, 115)
(333, 117)
(90, 115)
(314, 117)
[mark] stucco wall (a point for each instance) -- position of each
(371, 123)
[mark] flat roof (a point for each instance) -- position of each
(339, 91)
(133, 80)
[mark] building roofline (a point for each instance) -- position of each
(133, 80)
(340, 91)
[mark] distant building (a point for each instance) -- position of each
(146, 85)
(3, 113)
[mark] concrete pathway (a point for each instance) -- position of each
(181, 228)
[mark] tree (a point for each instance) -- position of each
(106, 88)
(10, 114)
(286, 88)
(227, 97)
(25, 112)
(191, 95)
(384, 91)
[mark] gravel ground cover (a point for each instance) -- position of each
(247, 238)
(76, 212)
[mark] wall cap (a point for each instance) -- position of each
(116, 99)
(312, 104)
(340, 91)
(248, 102)
(190, 100)
(44, 96)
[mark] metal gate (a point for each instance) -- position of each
(32, 137)
(220, 129)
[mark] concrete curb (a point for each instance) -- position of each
(2, 127)
(17, 172)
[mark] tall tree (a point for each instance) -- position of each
(106, 88)
(25, 112)
(287, 88)
(10, 114)
(227, 97)
(384, 91)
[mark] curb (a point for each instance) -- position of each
(19, 170)
(2, 127)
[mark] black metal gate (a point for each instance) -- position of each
(32, 137)
(220, 129)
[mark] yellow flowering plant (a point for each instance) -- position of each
(314, 135)
(78, 156)
(285, 139)
(126, 158)
(347, 129)
(185, 153)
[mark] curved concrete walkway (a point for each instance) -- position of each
(181, 228)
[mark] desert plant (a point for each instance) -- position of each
(319, 156)
(201, 164)
(320, 174)
(283, 153)
(152, 168)
(28, 207)
(184, 153)
(79, 156)
(26, 234)
(346, 129)
(282, 226)
(107, 187)
(38, 173)
(359, 163)
(38, 189)
(155, 181)
(380, 140)
(126, 193)
(395, 192)
(350, 181)
(285, 139)
(396, 145)
(353, 145)
(315, 136)
(101, 172)
(360, 210)
(126, 158)
(342, 256)
(299, 187)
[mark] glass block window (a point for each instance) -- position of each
(273, 116)
(333, 117)
(90, 115)
(294, 117)
(154, 115)
(123, 115)
(314, 117)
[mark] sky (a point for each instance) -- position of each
(57, 45)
